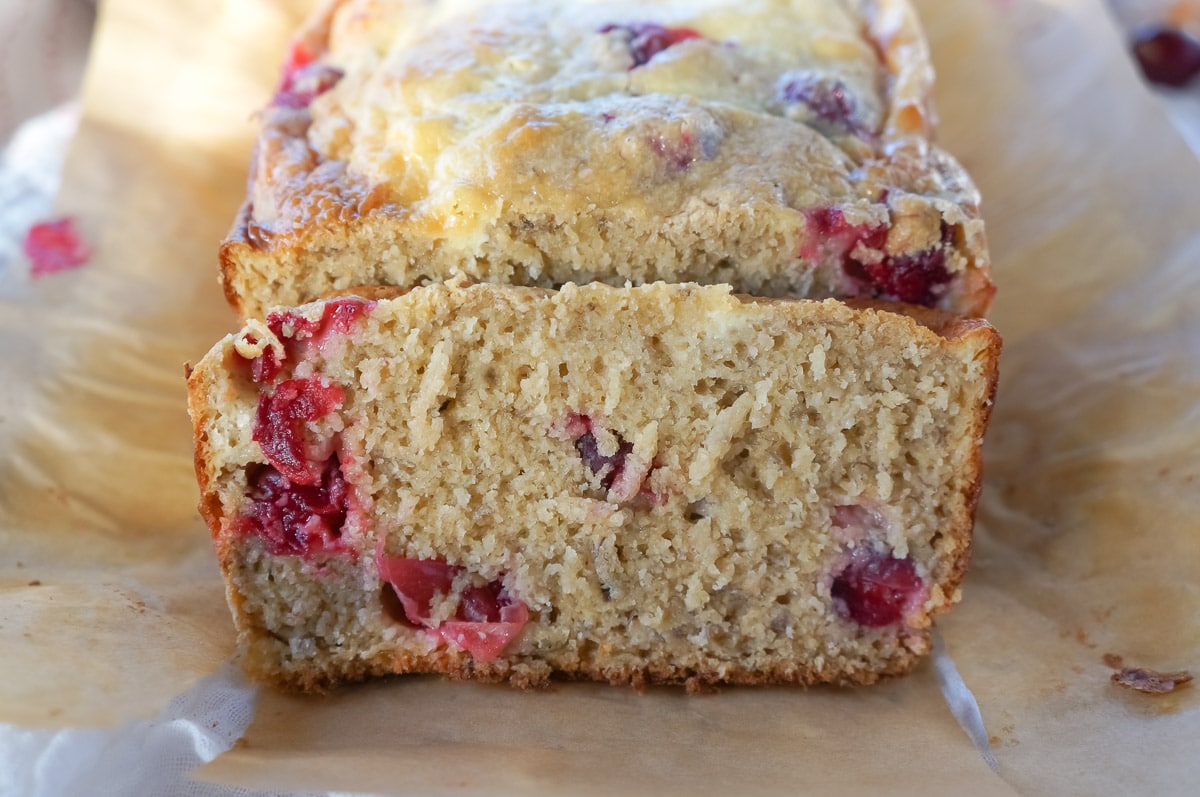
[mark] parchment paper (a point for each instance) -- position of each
(1088, 541)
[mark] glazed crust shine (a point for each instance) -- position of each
(666, 483)
(782, 148)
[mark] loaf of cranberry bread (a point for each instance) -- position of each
(779, 147)
(665, 483)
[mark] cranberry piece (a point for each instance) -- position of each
(876, 590)
(916, 278)
(911, 278)
(829, 225)
(298, 57)
(299, 327)
(606, 467)
(339, 316)
(829, 234)
(487, 618)
(827, 222)
(679, 153)
(54, 246)
(826, 98)
(294, 518)
(1167, 56)
(263, 368)
(303, 78)
(266, 367)
(648, 39)
(487, 640)
(416, 582)
(622, 482)
(279, 424)
(481, 604)
(577, 425)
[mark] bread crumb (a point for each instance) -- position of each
(1152, 682)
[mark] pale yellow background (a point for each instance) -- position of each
(1089, 534)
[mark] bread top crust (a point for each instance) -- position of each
(544, 95)
(456, 119)
(455, 106)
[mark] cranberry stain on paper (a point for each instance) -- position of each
(54, 246)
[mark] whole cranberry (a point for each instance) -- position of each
(876, 589)
(1167, 56)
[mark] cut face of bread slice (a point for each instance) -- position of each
(783, 148)
(665, 483)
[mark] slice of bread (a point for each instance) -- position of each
(666, 483)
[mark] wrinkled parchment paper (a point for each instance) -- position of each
(1088, 541)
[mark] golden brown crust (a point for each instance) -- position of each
(201, 415)
(989, 359)
(694, 680)
(227, 257)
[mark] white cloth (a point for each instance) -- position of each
(140, 758)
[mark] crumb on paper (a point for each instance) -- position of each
(54, 246)
(1150, 681)
(35, 583)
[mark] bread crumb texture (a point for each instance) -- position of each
(662, 483)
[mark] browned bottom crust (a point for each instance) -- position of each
(530, 676)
